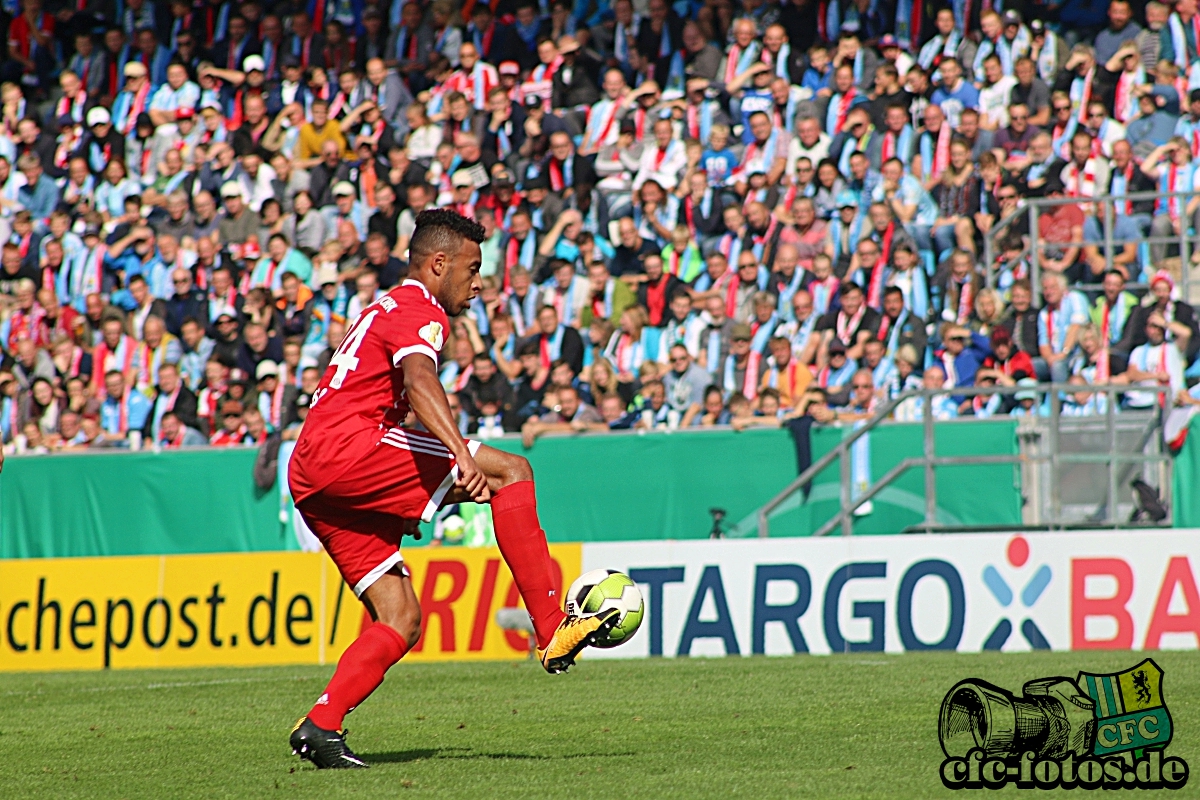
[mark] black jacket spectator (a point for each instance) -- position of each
(182, 306)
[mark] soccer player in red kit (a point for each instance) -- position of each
(362, 481)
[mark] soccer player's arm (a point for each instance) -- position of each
(428, 400)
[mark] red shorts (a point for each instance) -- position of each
(359, 517)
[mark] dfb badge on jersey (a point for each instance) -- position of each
(432, 333)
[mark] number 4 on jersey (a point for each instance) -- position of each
(344, 358)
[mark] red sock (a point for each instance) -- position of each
(523, 544)
(360, 670)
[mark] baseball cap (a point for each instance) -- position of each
(1028, 393)
(502, 177)
(91, 230)
(532, 101)
(741, 332)
(231, 189)
(509, 68)
(539, 181)
(135, 69)
(887, 40)
(303, 400)
(1037, 26)
(1011, 18)
(64, 121)
(185, 113)
(326, 274)
(343, 189)
(254, 64)
(266, 369)
(837, 346)
(568, 44)
(251, 251)
(289, 60)
(461, 178)
(1001, 336)
(847, 199)
(98, 116)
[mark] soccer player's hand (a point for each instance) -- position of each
(472, 480)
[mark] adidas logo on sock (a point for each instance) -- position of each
(323, 700)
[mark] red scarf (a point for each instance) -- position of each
(656, 299)
(941, 154)
(1085, 97)
(848, 325)
(889, 146)
(1077, 180)
(844, 108)
(875, 285)
(556, 175)
(966, 302)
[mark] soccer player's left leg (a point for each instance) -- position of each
(521, 539)
(397, 614)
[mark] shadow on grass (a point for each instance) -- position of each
(466, 753)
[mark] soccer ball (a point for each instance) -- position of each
(600, 590)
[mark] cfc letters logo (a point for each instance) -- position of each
(1096, 731)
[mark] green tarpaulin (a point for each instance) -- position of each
(1186, 485)
(590, 488)
(108, 504)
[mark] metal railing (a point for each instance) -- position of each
(1119, 464)
(1034, 206)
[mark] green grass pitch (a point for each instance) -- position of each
(859, 725)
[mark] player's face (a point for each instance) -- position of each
(462, 282)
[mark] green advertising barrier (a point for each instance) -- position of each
(624, 486)
(1187, 480)
(987, 494)
(109, 504)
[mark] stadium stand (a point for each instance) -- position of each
(698, 214)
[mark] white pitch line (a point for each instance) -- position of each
(149, 686)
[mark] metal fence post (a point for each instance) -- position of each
(1111, 423)
(846, 478)
(1184, 256)
(1055, 418)
(930, 453)
(1035, 255)
(1108, 233)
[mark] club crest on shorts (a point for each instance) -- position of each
(1130, 711)
(433, 334)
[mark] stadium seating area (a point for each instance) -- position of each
(697, 214)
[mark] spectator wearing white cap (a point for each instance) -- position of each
(102, 142)
(276, 396)
(237, 222)
(462, 193)
(132, 100)
(346, 206)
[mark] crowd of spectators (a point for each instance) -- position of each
(699, 213)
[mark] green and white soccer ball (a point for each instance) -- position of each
(601, 589)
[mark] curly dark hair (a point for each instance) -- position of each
(440, 229)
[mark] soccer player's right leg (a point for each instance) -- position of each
(522, 542)
(520, 537)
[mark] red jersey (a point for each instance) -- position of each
(362, 391)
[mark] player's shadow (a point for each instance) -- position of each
(407, 756)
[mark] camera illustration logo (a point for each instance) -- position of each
(1096, 731)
